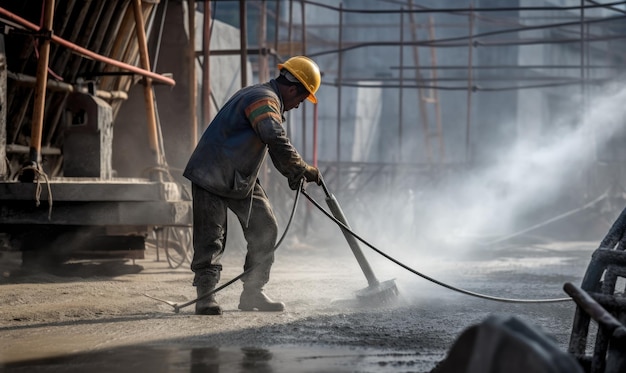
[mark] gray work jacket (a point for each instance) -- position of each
(230, 152)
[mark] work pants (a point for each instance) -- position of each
(260, 230)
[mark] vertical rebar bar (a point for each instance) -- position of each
(243, 41)
(262, 40)
(339, 82)
(41, 84)
(401, 89)
(206, 65)
(583, 89)
(303, 15)
(193, 86)
(290, 29)
(315, 135)
(422, 99)
(469, 83)
(147, 87)
(290, 54)
(582, 55)
(435, 92)
(276, 32)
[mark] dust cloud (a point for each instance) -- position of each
(429, 227)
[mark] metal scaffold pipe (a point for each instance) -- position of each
(206, 65)
(147, 90)
(243, 40)
(87, 53)
(193, 86)
(40, 87)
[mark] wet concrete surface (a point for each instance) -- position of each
(76, 323)
(210, 359)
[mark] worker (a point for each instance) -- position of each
(223, 170)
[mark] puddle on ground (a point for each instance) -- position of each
(230, 359)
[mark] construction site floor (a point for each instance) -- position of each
(94, 316)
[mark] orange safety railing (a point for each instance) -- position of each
(89, 54)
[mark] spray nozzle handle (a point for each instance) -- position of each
(323, 184)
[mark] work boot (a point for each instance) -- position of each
(252, 299)
(207, 305)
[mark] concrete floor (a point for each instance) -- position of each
(95, 316)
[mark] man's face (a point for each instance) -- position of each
(293, 99)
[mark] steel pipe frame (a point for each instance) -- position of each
(87, 53)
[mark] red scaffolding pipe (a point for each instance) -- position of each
(89, 54)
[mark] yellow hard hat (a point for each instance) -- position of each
(306, 71)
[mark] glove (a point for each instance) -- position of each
(294, 184)
(312, 174)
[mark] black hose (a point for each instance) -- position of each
(178, 307)
(440, 283)
(301, 189)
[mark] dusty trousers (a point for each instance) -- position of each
(259, 226)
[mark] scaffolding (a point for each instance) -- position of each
(427, 72)
(428, 88)
(590, 29)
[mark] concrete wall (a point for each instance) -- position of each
(132, 157)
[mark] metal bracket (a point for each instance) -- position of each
(41, 34)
